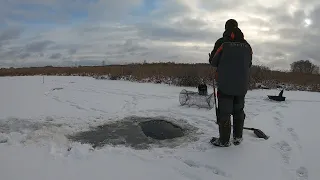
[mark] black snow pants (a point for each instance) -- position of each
(230, 105)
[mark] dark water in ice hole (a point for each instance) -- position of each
(136, 132)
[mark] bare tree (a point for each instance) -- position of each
(304, 66)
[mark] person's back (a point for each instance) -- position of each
(233, 61)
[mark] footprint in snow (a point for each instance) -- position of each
(302, 173)
(213, 169)
(284, 149)
(293, 134)
(279, 114)
(284, 104)
(294, 137)
(278, 122)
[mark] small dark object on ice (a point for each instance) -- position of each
(277, 98)
(258, 133)
(203, 89)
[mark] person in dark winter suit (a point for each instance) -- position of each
(231, 59)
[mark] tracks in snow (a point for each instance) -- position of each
(289, 151)
(215, 170)
(128, 105)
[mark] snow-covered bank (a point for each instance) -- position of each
(35, 116)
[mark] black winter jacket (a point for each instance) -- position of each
(232, 55)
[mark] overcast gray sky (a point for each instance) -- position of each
(62, 32)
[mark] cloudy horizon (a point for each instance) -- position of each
(87, 32)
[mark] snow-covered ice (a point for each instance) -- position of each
(36, 116)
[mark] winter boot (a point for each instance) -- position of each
(238, 122)
(225, 132)
(217, 142)
(237, 141)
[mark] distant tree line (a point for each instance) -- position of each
(305, 66)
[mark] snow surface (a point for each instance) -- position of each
(36, 116)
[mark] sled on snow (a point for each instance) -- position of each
(280, 97)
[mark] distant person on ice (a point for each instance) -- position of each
(231, 58)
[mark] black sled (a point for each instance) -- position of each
(280, 97)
